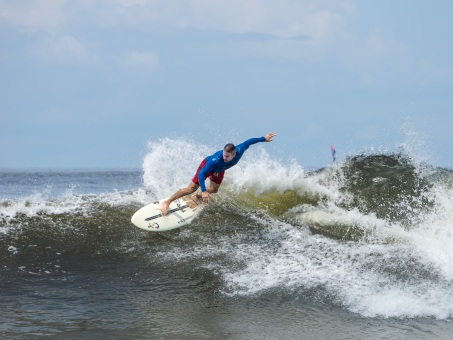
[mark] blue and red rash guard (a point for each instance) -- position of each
(216, 164)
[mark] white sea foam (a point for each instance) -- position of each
(410, 276)
(171, 164)
(355, 274)
(259, 171)
(67, 204)
(401, 272)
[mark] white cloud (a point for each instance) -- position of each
(308, 30)
(320, 20)
(32, 15)
(287, 18)
(290, 18)
(321, 24)
(63, 49)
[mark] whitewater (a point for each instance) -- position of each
(360, 248)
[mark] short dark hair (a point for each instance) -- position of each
(229, 148)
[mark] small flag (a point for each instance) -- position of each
(334, 153)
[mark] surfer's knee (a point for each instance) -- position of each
(191, 188)
(213, 189)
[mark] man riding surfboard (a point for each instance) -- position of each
(214, 167)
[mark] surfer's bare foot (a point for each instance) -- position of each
(164, 208)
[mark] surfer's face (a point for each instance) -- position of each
(228, 156)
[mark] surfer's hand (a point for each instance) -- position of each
(205, 196)
(269, 136)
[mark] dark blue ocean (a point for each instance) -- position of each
(360, 249)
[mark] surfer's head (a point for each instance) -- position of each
(229, 151)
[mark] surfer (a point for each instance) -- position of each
(213, 167)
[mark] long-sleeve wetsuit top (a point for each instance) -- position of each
(215, 162)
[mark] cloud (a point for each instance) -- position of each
(286, 19)
(319, 22)
(294, 28)
(63, 49)
(32, 15)
(312, 31)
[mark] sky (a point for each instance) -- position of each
(88, 83)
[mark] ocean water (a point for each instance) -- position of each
(362, 248)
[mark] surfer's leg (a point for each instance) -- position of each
(192, 187)
(215, 181)
(213, 188)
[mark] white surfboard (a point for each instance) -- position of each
(180, 213)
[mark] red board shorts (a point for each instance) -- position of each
(215, 177)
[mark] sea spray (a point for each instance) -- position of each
(400, 267)
(171, 164)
